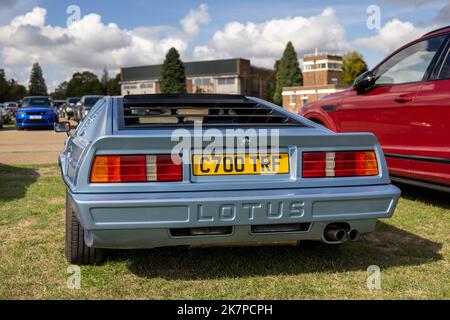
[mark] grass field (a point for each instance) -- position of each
(412, 250)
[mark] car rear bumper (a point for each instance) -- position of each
(146, 220)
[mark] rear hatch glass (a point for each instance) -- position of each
(186, 110)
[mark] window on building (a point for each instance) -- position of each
(205, 82)
(255, 86)
(321, 65)
(334, 66)
(130, 87)
(225, 81)
(146, 85)
(292, 99)
(308, 67)
(304, 100)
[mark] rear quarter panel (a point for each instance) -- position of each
(97, 124)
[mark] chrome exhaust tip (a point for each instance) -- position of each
(339, 235)
(353, 235)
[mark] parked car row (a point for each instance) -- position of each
(67, 110)
(7, 112)
(43, 111)
(77, 108)
(2, 114)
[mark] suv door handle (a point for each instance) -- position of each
(404, 98)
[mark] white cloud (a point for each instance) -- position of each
(392, 36)
(34, 18)
(264, 42)
(89, 43)
(194, 18)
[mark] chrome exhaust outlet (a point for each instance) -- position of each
(339, 235)
(353, 235)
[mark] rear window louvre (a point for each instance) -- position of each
(161, 110)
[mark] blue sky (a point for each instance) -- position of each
(143, 30)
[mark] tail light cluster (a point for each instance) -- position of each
(135, 168)
(339, 164)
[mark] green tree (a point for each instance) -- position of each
(114, 85)
(105, 81)
(288, 73)
(16, 91)
(37, 86)
(353, 65)
(61, 91)
(84, 83)
(3, 86)
(10, 90)
(272, 82)
(173, 78)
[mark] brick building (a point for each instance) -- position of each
(230, 76)
(322, 75)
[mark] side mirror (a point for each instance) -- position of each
(62, 127)
(364, 82)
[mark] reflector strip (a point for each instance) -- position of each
(151, 168)
(330, 164)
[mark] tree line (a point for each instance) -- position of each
(10, 90)
(81, 84)
(286, 73)
(87, 83)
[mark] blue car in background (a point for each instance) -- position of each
(36, 112)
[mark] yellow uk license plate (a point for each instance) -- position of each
(240, 164)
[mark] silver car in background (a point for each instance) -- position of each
(84, 106)
(129, 185)
(69, 107)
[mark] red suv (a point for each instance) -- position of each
(405, 102)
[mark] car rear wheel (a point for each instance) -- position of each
(76, 250)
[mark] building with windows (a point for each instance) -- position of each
(230, 76)
(322, 75)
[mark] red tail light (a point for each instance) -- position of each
(135, 168)
(339, 164)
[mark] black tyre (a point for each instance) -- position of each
(76, 250)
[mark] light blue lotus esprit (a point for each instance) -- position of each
(125, 191)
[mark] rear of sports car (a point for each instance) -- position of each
(204, 170)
